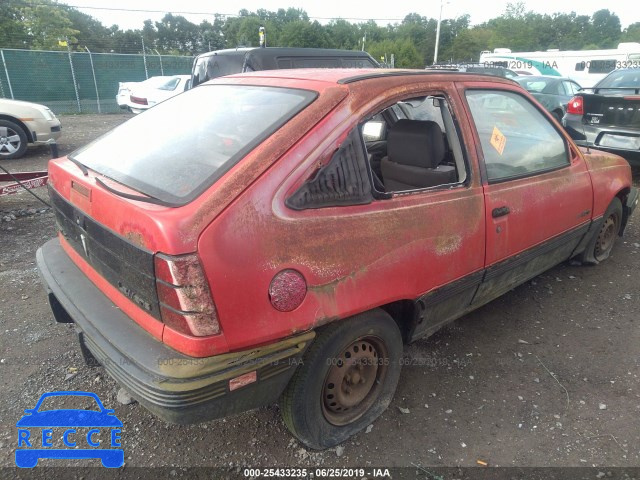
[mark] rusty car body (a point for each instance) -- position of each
(315, 222)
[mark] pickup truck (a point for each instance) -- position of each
(298, 227)
(608, 115)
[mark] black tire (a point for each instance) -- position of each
(557, 115)
(369, 346)
(13, 140)
(601, 244)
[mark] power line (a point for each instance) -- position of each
(140, 10)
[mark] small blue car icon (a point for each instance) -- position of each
(80, 426)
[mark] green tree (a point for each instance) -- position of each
(404, 51)
(343, 35)
(468, 44)
(46, 24)
(13, 33)
(304, 34)
(211, 34)
(174, 33)
(128, 41)
(606, 29)
(91, 33)
(631, 33)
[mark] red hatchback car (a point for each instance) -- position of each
(281, 234)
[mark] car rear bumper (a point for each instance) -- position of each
(174, 386)
(595, 136)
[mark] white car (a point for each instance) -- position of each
(23, 123)
(124, 91)
(125, 88)
(144, 95)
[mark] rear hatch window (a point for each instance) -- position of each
(177, 149)
(621, 81)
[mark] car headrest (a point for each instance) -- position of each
(418, 143)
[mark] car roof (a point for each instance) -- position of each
(344, 76)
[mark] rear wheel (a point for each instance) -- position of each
(603, 240)
(13, 140)
(347, 380)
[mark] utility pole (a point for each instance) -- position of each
(435, 54)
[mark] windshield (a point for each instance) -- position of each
(177, 149)
(621, 79)
(170, 84)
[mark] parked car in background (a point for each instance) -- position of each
(24, 123)
(607, 116)
(553, 93)
(481, 68)
(279, 235)
(147, 94)
(124, 90)
(158, 88)
(237, 60)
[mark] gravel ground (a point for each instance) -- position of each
(547, 375)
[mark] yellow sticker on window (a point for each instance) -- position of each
(498, 140)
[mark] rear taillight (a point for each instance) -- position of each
(576, 106)
(138, 100)
(185, 299)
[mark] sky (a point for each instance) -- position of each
(383, 12)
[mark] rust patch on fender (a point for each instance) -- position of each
(136, 238)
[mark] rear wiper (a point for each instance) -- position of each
(139, 198)
(84, 169)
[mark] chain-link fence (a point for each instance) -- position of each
(73, 82)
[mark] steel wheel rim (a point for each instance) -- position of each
(606, 237)
(354, 380)
(9, 141)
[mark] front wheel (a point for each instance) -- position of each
(347, 379)
(601, 244)
(13, 140)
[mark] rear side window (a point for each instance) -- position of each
(324, 62)
(214, 66)
(178, 148)
(516, 139)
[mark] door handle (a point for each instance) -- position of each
(500, 212)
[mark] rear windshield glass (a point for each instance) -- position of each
(621, 79)
(177, 149)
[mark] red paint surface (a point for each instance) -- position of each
(352, 258)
